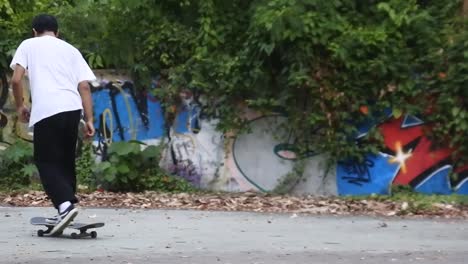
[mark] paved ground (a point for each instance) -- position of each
(156, 236)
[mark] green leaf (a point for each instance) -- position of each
(268, 48)
(123, 169)
(91, 59)
(151, 152)
(464, 127)
(124, 180)
(99, 61)
(103, 166)
(397, 113)
(114, 159)
(132, 175)
(124, 148)
(110, 177)
(29, 170)
(455, 111)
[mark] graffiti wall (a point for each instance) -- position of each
(10, 128)
(408, 159)
(122, 113)
(195, 149)
(261, 159)
(265, 158)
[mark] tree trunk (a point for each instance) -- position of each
(465, 8)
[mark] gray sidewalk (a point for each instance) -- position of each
(157, 236)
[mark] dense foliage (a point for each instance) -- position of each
(326, 65)
(131, 168)
(16, 168)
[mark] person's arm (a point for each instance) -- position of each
(84, 75)
(85, 93)
(19, 64)
(17, 84)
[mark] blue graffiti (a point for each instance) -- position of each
(375, 175)
(437, 182)
(462, 187)
(122, 115)
(188, 119)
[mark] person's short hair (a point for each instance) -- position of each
(44, 22)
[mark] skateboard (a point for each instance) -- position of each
(77, 226)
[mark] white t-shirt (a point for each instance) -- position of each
(54, 68)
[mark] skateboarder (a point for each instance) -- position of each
(60, 91)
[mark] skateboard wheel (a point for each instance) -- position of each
(74, 235)
(93, 234)
(40, 233)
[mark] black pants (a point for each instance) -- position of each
(55, 141)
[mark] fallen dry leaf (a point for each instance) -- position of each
(253, 202)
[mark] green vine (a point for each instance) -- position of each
(331, 65)
(287, 183)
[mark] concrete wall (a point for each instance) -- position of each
(258, 160)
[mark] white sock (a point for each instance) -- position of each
(63, 206)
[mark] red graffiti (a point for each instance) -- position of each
(411, 149)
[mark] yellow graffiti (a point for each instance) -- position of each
(129, 110)
(108, 114)
(400, 157)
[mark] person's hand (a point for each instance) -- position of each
(23, 114)
(89, 129)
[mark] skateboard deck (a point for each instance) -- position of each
(82, 227)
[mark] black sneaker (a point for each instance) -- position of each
(64, 219)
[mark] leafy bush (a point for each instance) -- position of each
(16, 166)
(129, 168)
(318, 62)
(15, 23)
(447, 91)
(84, 166)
